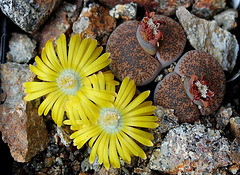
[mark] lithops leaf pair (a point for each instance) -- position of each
(196, 86)
(134, 45)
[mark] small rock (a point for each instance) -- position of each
(48, 162)
(22, 48)
(85, 165)
(227, 19)
(126, 11)
(235, 151)
(143, 171)
(169, 7)
(234, 168)
(209, 37)
(207, 9)
(222, 117)
(64, 133)
(95, 21)
(21, 127)
(166, 119)
(59, 23)
(29, 15)
(235, 126)
(59, 161)
(113, 3)
(191, 148)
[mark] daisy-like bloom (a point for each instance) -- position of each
(101, 82)
(65, 75)
(118, 128)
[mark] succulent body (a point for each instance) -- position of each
(127, 53)
(196, 86)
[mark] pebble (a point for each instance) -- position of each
(222, 117)
(22, 48)
(227, 19)
(207, 9)
(126, 11)
(191, 148)
(235, 126)
(209, 37)
(29, 15)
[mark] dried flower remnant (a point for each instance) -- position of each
(199, 90)
(118, 127)
(149, 33)
(64, 76)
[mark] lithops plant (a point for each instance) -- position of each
(196, 86)
(133, 46)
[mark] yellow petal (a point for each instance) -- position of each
(96, 147)
(101, 147)
(97, 65)
(38, 94)
(142, 111)
(52, 56)
(93, 57)
(122, 90)
(80, 132)
(81, 52)
(46, 60)
(44, 68)
(139, 138)
(105, 153)
(113, 156)
(46, 77)
(38, 86)
(71, 49)
(141, 124)
(138, 132)
(123, 149)
(133, 146)
(61, 49)
(137, 101)
(147, 118)
(125, 140)
(46, 105)
(129, 92)
(89, 51)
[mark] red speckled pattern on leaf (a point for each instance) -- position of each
(128, 57)
(170, 93)
(202, 64)
(173, 43)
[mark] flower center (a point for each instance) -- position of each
(110, 119)
(69, 81)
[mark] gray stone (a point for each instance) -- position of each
(22, 48)
(29, 15)
(12, 77)
(235, 126)
(227, 19)
(169, 7)
(222, 117)
(207, 9)
(126, 11)
(166, 119)
(209, 37)
(64, 133)
(191, 148)
(21, 127)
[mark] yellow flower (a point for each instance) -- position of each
(102, 83)
(118, 127)
(64, 76)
